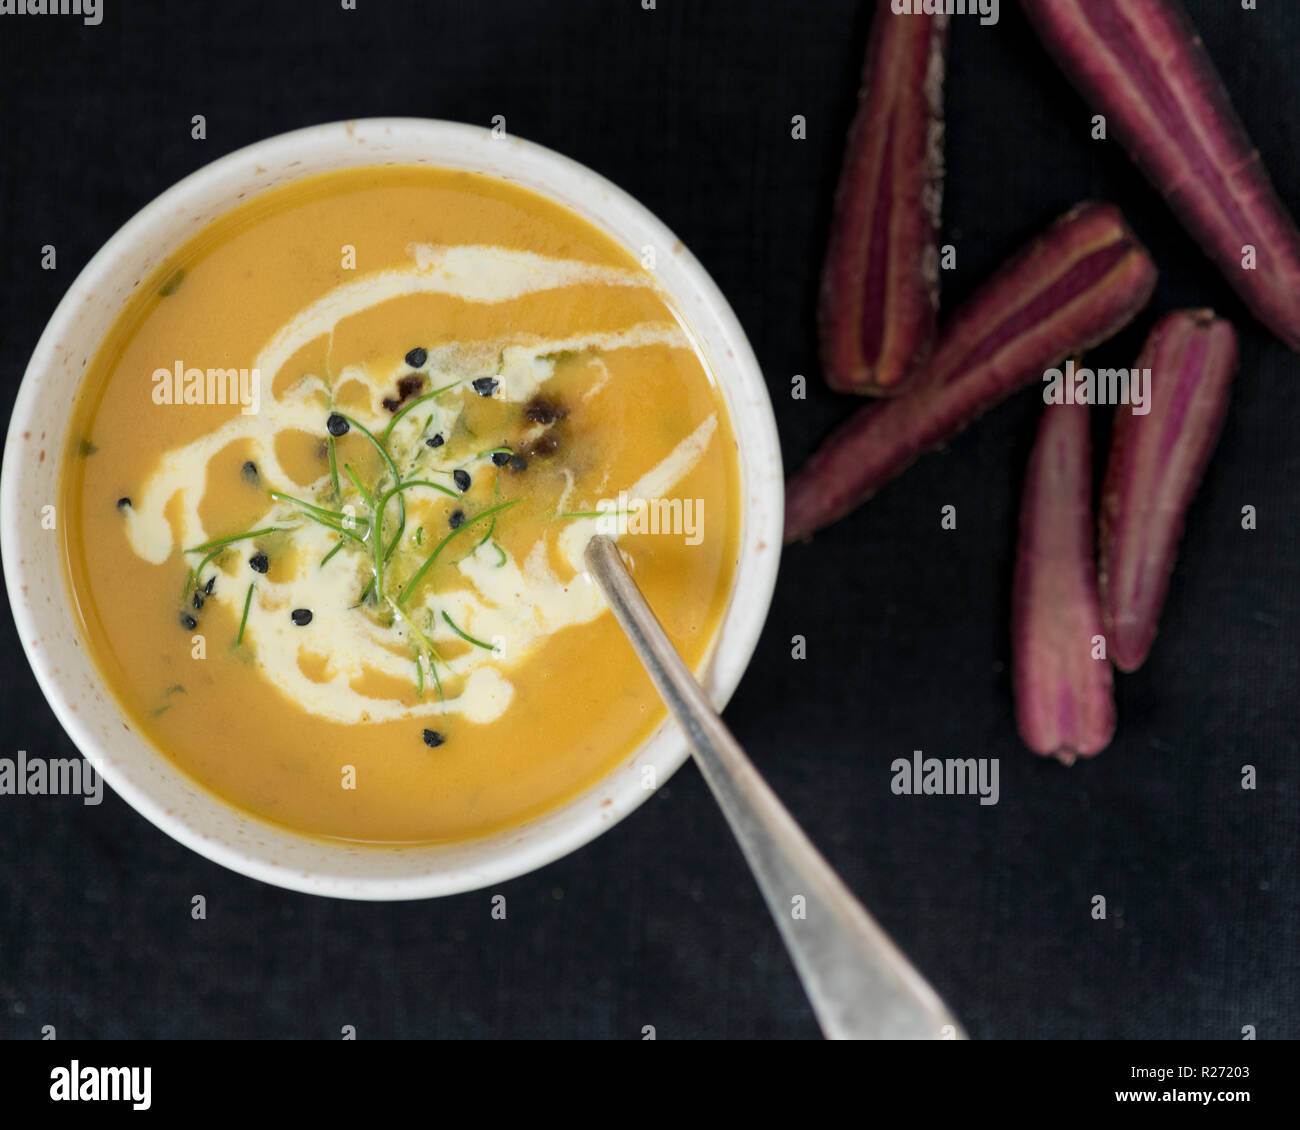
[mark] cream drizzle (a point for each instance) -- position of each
(515, 605)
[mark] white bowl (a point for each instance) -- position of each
(41, 600)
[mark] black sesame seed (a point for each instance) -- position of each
(416, 357)
(301, 616)
(518, 463)
(433, 739)
(500, 458)
(212, 580)
(188, 622)
(485, 386)
(259, 563)
(435, 441)
(198, 600)
(457, 519)
(123, 503)
(249, 471)
(336, 425)
(462, 480)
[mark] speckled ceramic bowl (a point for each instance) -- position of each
(42, 602)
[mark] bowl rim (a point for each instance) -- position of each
(759, 463)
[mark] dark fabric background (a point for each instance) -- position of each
(658, 922)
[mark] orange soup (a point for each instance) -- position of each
(328, 485)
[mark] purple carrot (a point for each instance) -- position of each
(1156, 463)
(1075, 285)
(1142, 65)
(880, 283)
(1064, 705)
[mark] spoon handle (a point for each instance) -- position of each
(859, 983)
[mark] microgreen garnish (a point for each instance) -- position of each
(388, 431)
(361, 490)
(216, 542)
(418, 576)
(330, 519)
(217, 547)
(334, 467)
(388, 462)
(372, 529)
(243, 620)
(381, 560)
(496, 492)
(465, 635)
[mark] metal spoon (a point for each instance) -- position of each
(859, 983)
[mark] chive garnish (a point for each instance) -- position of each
(376, 496)
(434, 656)
(351, 474)
(417, 483)
(217, 547)
(388, 431)
(248, 600)
(496, 492)
(405, 594)
(388, 462)
(236, 537)
(330, 519)
(382, 559)
(334, 467)
(465, 635)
